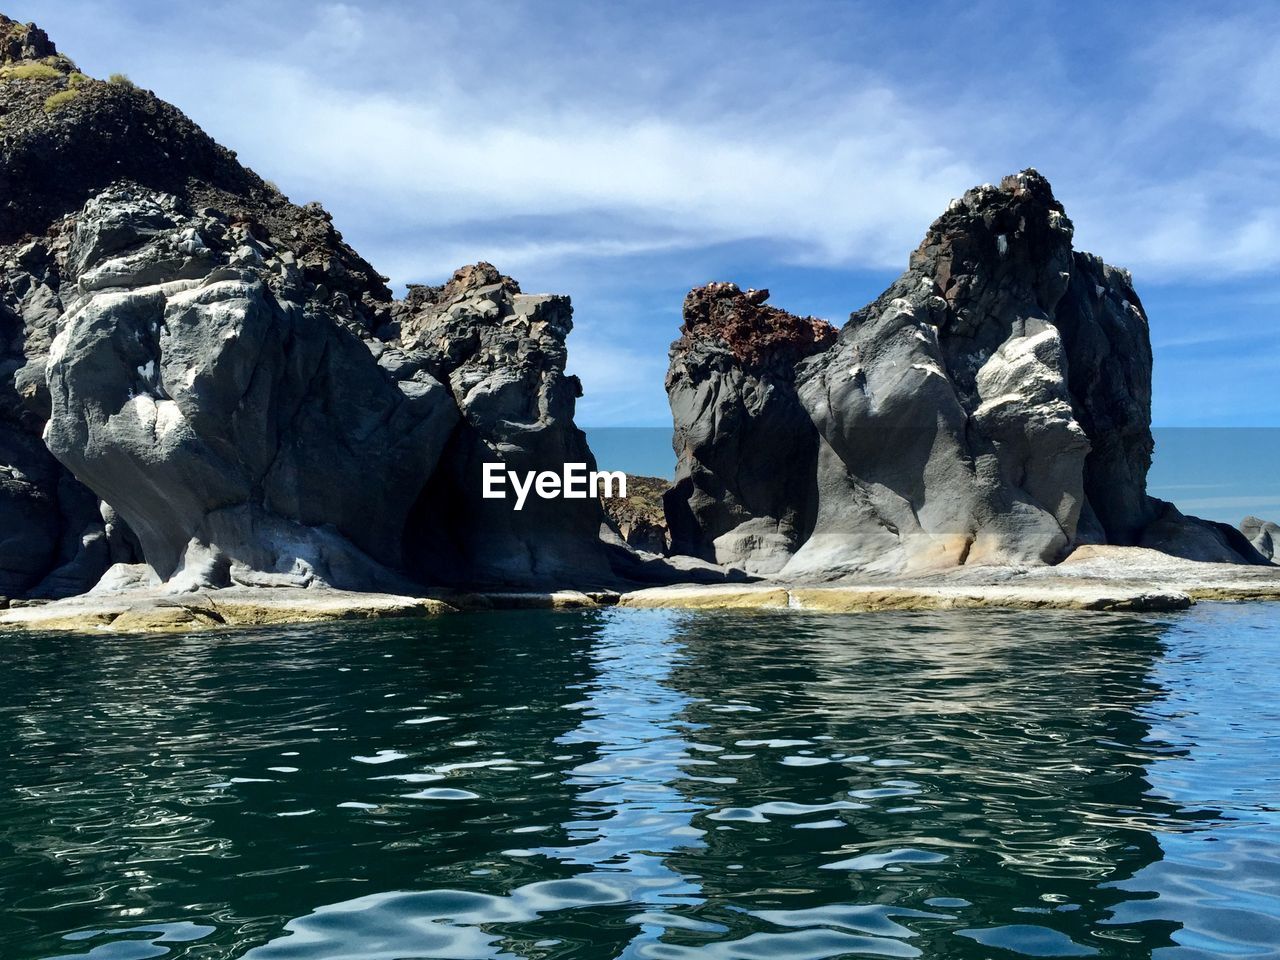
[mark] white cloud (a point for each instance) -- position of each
(626, 384)
(701, 128)
(852, 183)
(827, 162)
(578, 139)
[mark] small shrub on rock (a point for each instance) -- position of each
(30, 71)
(60, 100)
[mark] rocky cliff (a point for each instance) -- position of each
(993, 407)
(204, 381)
(640, 517)
(203, 376)
(502, 355)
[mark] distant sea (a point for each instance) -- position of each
(1219, 473)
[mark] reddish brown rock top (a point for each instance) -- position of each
(753, 331)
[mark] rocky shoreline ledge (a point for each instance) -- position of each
(214, 412)
(1129, 579)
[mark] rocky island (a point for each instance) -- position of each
(214, 411)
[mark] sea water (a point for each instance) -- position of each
(660, 784)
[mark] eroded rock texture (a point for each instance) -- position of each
(211, 394)
(502, 354)
(991, 407)
(744, 493)
(202, 389)
(228, 392)
(199, 375)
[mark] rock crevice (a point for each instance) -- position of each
(992, 407)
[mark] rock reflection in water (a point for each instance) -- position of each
(657, 784)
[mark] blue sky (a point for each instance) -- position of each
(623, 153)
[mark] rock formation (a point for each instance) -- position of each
(201, 388)
(639, 517)
(742, 495)
(1263, 535)
(502, 354)
(230, 392)
(991, 407)
(204, 380)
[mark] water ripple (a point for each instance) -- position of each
(601, 784)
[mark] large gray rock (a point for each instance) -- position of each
(947, 430)
(1192, 538)
(744, 493)
(52, 537)
(1263, 535)
(1105, 332)
(502, 354)
(991, 407)
(200, 387)
(237, 383)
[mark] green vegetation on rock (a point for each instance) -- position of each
(30, 71)
(59, 100)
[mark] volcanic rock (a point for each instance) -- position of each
(743, 494)
(502, 355)
(230, 391)
(991, 407)
(199, 388)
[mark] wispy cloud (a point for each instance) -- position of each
(581, 138)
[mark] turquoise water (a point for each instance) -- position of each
(648, 784)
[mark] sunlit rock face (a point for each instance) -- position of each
(201, 388)
(247, 432)
(60, 248)
(993, 406)
(199, 375)
(948, 434)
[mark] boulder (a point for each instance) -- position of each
(1263, 536)
(226, 415)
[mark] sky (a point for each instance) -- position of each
(622, 153)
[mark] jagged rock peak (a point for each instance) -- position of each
(1016, 234)
(465, 282)
(753, 330)
(23, 41)
(467, 279)
(66, 137)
